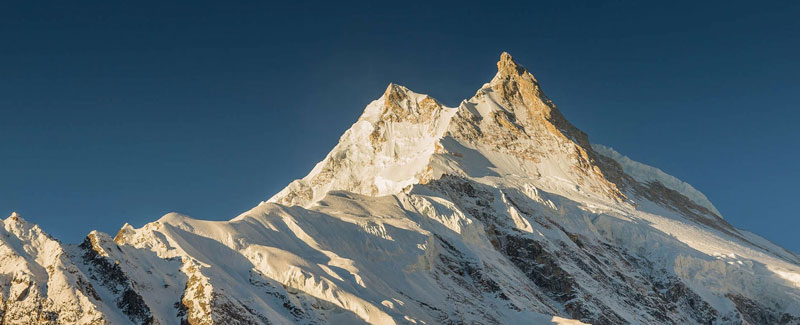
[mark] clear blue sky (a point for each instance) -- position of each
(115, 111)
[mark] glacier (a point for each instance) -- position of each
(497, 211)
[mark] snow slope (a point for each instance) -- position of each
(498, 211)
(646, 174)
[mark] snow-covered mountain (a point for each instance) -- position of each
(498, 211)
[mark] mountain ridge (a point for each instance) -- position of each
(498, 210)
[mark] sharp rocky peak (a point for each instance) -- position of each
(523, 97)
(507, 66)
(406, 138)
(396, 140)
(400, 103)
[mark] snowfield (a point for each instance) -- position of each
(498, 211)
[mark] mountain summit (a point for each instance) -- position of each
(498, 211)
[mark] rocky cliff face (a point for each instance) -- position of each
(496, 211)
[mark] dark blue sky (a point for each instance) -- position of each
(116, 111)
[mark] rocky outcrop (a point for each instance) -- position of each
(109, 274)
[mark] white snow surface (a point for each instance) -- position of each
(493, 212)
(377, 167)
(645, 174)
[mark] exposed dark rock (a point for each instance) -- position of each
(111, 276)
(754, 312)
(633, 280)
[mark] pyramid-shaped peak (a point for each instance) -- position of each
(507, 65)
(396, 92)
(395, 88)
(15, 217)
(506, 57)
